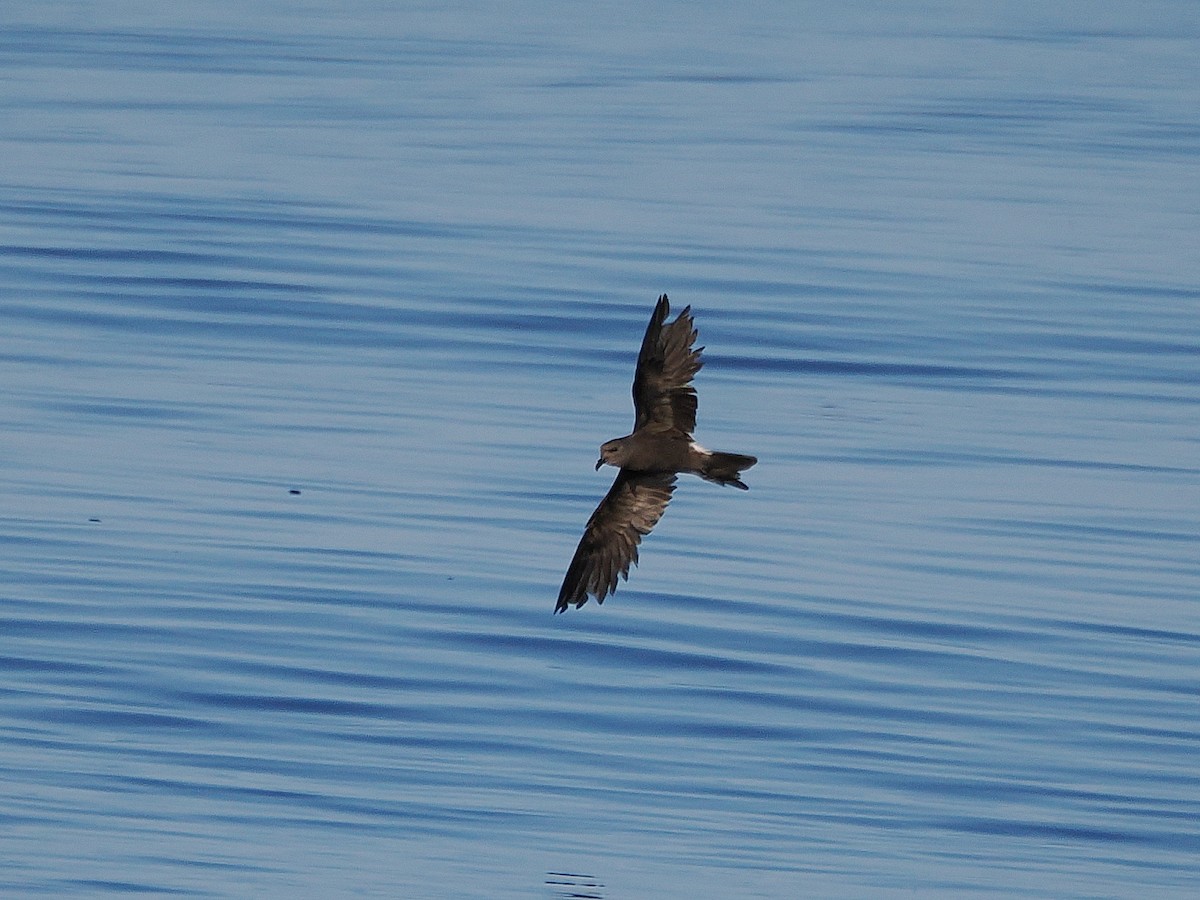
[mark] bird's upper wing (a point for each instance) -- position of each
(662, 391)
(632, 506)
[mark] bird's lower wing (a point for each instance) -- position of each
(630, 509)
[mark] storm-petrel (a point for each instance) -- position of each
(660, 447)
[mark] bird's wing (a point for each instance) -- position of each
(663, 395)
(632, 506)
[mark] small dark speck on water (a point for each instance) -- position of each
(294, 492)
(94, 519)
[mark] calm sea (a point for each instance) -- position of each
(313, 316)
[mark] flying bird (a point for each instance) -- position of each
(660, 447)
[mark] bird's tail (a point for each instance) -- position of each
(726, 468)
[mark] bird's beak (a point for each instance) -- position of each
(599, 463)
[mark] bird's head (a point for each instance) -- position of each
(611, 453)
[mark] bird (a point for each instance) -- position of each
(649, 459)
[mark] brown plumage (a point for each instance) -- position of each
(649, 458)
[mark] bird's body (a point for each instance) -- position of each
(660, 446)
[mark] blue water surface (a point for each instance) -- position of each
(312, 320)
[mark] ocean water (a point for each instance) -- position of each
(312, 320)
